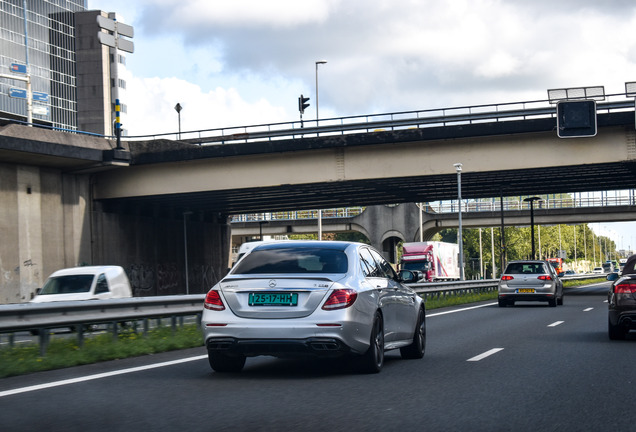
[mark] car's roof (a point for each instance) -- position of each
(87, 270)
(334, 245)
(527, 261)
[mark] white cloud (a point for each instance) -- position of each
(153, 110)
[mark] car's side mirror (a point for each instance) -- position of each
(612, 276)
(407, 276)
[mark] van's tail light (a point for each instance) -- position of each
(213, 301)
(545, 277)
(506, 278)
(625, 288)
(340, 299)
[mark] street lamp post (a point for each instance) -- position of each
(458, 168)
(531, 200)
(185, 248)
(319, 62)
(178, 109)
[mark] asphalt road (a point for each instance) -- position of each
(523, 368)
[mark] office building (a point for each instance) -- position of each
(74, 76)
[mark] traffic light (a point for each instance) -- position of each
(302, 104)
(576, 119)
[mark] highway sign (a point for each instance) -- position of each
(18, 68)
(17, 93)
(40, 110)
(40, 96)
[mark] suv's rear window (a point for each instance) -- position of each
(293, 260)
(525, 268)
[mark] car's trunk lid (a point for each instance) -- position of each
(275, 297)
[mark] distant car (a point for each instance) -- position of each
(530, 281)
(621, 301)
(570, 272)
(318, 299)
(598, 270)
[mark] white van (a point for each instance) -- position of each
(85, 283)
(247, 247)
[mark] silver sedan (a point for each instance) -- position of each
(309, 298)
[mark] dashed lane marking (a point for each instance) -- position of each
(484, 355)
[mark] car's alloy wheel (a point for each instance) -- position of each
(225, 363)
(417, 348)
(373, 360)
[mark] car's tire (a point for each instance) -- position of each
(502, 302)
(615, 332)
(373, 360)
(418, 347)
(552, 302)
(560, 300)
(224, 363)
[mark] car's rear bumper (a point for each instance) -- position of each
(527, 297)
(626, 319)
(313, 347)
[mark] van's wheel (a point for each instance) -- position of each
(373, 360)
(225, 363)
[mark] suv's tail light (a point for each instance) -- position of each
(213, 301)
(340, 299)
(625, 288)
(506, 278)
(545, 277)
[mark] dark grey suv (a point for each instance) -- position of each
(621, 300)
(530, 281)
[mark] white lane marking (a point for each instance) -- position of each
(554, 324)
(460, 310)
(97, 376)
(486, 354)
(588, 309)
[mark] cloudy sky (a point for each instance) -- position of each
(243, 62)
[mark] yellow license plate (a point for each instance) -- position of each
(526, 290)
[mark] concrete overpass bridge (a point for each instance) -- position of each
(161, 207)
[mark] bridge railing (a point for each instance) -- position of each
(620, 198)
(342, 212)
(598, 199)
(369, 123)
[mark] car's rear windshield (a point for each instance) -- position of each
(525, 268)
(293, 260)
(71, 284)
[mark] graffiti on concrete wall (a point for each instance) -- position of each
(169, 279)
(142, 279)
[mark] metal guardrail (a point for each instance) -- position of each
(42, 317)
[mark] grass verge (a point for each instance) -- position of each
(64, 352)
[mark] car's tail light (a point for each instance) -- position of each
(213, 301)
(506, 278)
(545, 277)
(340, 299)
(625, 288)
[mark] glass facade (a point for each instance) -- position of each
(51, 59)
